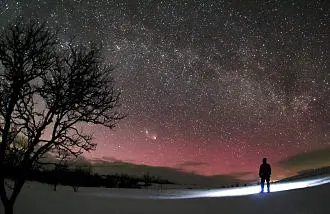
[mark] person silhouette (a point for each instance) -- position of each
(264, 173)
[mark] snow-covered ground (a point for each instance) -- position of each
(40, 199)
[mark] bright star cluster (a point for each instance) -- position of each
(223, 83)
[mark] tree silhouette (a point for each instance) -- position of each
(147, 179)
(48, 91)
(60, 167)
(80, 172)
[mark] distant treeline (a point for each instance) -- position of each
(83, 178)
(324, 171)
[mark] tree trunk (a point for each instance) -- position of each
(9, 208)
(3, 193)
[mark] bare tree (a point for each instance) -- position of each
(59, 167)
(47, 93)
(147, 179)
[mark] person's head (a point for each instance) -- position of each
(264, 160)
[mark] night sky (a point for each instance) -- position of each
(208, 86)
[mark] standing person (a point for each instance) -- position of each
(264, 173)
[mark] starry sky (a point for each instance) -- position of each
(209, 87)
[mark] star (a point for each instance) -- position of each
(214, 81)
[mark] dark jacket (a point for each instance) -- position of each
(265, 170)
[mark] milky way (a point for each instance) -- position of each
(208, 86)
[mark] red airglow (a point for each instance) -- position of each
(213, 158)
